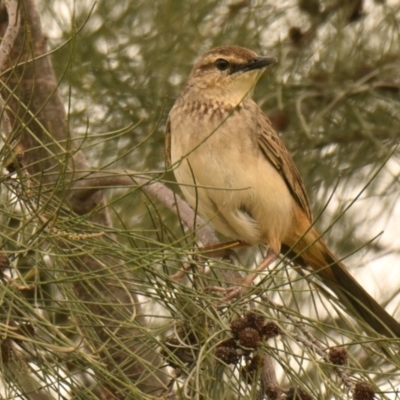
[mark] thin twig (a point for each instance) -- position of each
(88, 185)
(50, 160)
(310, 341)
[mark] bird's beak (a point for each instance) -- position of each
(256, 63)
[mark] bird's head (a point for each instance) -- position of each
(227, 73)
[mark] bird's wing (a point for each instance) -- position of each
(167, 146)
(277, 154)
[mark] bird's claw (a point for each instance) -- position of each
(230, 293)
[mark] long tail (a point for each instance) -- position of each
(315, 253)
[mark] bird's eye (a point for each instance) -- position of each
(222, 64)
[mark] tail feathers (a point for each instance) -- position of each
(316, 254)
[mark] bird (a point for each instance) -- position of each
(235, 170)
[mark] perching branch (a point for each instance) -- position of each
(92, 183)
(50, 163)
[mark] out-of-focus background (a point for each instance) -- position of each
(334, 97)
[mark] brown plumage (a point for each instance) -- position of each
(236, 170)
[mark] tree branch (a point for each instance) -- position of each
(87, 186)
(38, 119)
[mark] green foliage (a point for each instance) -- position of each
(334, 97)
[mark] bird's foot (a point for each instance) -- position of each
(219, 250)
(181, 274)
(245, 284)
(229, 293)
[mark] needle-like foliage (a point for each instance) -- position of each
(91, 230)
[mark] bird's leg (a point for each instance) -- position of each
(179, 275)
(218, 250)
(243, 287)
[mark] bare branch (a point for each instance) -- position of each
(308, 340)
(14, 23)
(269, 381)
(38, 120)
(91, 184)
